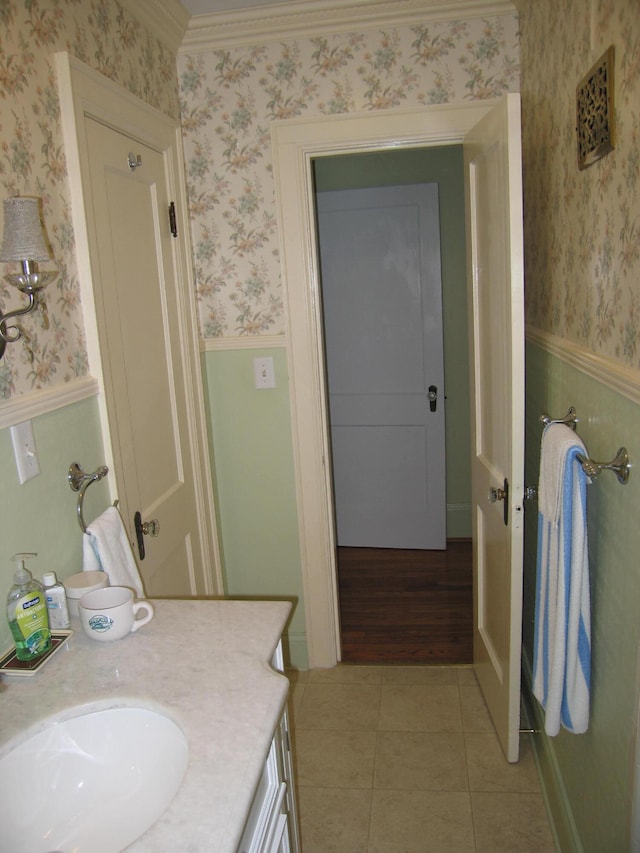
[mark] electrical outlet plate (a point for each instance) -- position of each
(24, 450)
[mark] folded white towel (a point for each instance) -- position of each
(562, 647)
(557, 439)
(105, 547)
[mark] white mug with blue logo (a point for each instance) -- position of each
(111, 613)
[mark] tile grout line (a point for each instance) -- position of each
(373, 768)
(466, 762)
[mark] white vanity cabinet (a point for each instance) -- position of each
(272, 825)
(235, 741)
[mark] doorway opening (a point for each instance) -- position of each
(490, 133)
(402, 602)
(296, 143)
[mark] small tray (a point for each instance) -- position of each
(10, 665)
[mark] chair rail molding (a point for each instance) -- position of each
(237, 342)
(616, 375)
(36, 403)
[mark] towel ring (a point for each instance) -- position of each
(79, 482)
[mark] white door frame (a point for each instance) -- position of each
(86, 93)
(295, 144)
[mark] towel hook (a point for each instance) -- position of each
(79, 482)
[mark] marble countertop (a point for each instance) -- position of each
(206, 665)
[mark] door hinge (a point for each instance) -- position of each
(172, 219)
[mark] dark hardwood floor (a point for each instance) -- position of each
(406, 606)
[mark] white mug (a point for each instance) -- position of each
(80, 584)
(110, 613)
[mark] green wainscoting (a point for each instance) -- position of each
(252, 454)
(588, 778)
(40, 515)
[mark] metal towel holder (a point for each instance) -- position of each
(79, 482)
(620, 464)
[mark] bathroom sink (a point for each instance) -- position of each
(90, 784)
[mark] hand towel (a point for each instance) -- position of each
(105, 547)
(562, 647)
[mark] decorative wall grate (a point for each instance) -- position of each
(595, 118)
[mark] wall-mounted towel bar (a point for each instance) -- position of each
(79, 481)
(620, 464)
(570, 419)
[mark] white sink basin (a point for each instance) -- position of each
(91, 784)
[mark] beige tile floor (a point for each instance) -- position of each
(405, 760)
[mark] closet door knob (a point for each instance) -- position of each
(151, 528)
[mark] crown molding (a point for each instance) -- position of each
(307, 18)
(166, 19)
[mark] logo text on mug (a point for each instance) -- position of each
(100, 623)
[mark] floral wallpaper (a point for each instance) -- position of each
(104, 35)
(582, 228)
(230, 97)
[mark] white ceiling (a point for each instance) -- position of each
(208, 7)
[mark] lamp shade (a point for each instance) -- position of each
(24, 237)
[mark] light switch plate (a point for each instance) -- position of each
(25, 451)
(264, 373)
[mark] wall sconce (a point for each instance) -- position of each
(25, 240)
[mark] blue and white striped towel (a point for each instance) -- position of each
(562, 649)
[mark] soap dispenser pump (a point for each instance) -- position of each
(27, 612)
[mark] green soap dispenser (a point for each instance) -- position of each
(27, 612)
